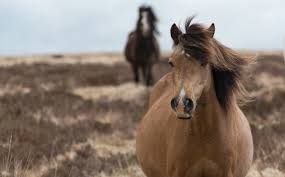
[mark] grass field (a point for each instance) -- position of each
(76, 115)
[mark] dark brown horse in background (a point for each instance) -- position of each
(142, 49)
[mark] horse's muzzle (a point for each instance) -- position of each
(182, 107)
(184, 115)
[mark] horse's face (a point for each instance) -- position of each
(190, 78)
(145, 20)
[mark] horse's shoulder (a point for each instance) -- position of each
(132, 35)
(129, 52)
(159, 88)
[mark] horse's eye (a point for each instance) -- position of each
(171, 64)
(203, 64)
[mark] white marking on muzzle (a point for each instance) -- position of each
(145, 25)
(182, 92)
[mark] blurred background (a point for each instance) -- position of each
(48, 26)
(68, 103)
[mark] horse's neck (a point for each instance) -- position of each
(145, 41)
(140, 34)
(149, 37)
(210, 116)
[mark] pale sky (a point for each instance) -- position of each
(55, 26)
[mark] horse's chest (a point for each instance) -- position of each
(195, 157)
(199, 168)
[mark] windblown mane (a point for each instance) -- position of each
(227, 66)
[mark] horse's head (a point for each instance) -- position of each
(191, 70)
(201, 63)
(147, 20)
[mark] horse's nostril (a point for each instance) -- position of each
(188, 103)
(174, 103)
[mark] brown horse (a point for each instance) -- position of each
(142, 49)
(194, 126)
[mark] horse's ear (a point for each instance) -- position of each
(175, 32)
(141, 8)
(211, 30)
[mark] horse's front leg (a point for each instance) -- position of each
(144, 72)
(136, 72)
(146, 69)
(149, 75)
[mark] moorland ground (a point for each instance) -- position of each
(76, 115)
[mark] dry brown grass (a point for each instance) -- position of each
(76, 115)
